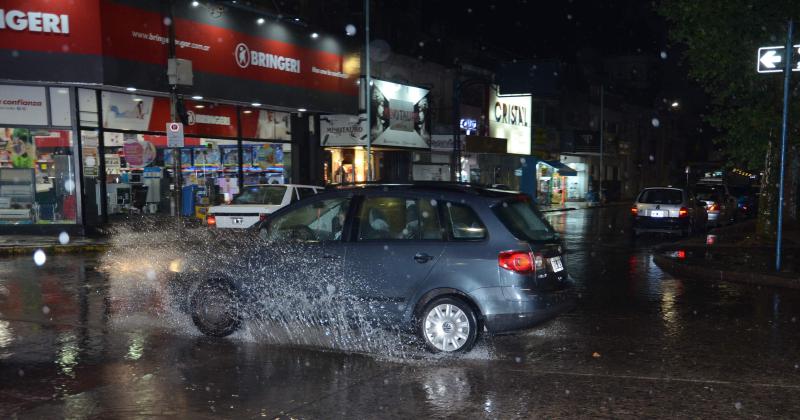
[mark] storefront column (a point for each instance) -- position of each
(77, 152)
(101, 157)
(239, 147)
(307, 154)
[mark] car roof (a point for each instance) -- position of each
(432, 186)
(662, 188)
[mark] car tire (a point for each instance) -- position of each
(216, 309)
(450, 320)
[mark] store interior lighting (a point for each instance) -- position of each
(256, 104)
(197, 97)
(130, 89)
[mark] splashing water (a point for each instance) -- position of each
(289, 293)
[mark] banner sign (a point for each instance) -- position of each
(23, 105)
(124, 43)
(343, 130)
(510, 119)
(399, 115)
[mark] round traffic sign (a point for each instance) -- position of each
(174, 127)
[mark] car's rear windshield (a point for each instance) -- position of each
(262, 194)
(661, 196)
(522, 219)
(709, 192)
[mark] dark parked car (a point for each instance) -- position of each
(445, 260)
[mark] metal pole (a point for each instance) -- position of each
(787, 72)
(367, 95)
(173, 116)
(456, 129)
(602, 129)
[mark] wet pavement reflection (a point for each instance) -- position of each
(640, 344)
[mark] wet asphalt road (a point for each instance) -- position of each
(640, 344)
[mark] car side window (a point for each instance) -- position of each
(393, 218)
(464, 223)
(317, 221)
(304, 192)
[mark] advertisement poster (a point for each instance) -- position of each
(138, 153)
(399, 115)
(127, 112)
(204, 156)
(23, 105)
(510, 119)
(343, 130)
(274, 125)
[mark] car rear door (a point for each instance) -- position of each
(397, 240)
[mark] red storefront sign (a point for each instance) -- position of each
(110, 29)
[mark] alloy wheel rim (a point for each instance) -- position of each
(447, 327)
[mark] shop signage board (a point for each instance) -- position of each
(343, 130)
(23, 105)
(231, 59)
(400, 115)
(510, 119)
(174, 134)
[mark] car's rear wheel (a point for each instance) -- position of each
(448, 325)
(215, 309)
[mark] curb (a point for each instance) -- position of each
(709, 274)
(53, 249)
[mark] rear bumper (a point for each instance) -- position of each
(660, 224)
(501, 314)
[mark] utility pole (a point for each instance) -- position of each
(367, 92)
(602, 129)
(173, 115)
(787, 73)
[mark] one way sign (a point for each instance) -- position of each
(770, 59)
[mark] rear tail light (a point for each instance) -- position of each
(522, 262)
(713, 207)
(211, 220)
(634, 210)
(683, 212)
(262, 217)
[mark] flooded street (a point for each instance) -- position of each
(640, 344)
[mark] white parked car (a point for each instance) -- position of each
(255, 203)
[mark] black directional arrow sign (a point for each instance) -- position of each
(770, 59)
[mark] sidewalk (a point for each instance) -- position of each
(27, 244)
(579, 205)
(735, 256)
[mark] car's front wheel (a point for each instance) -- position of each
(216, 309)
(448, 325)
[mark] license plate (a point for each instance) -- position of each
(657, 213)
(555, 262)
(238, 220)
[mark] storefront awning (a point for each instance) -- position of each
(562, 169)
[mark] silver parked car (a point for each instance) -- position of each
(721, 205)
(447, 261)
(668, 210)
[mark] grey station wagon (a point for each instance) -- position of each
(448, 261)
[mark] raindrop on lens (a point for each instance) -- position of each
(45, 309)
(63, 238)
(69, 185)
(655, 122)
(39, 257)
(664, 55)
(433, 202)
(167, 21)
(350, 30)
(738, 405)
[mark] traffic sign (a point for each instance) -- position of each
(174, 134)
(770, 59)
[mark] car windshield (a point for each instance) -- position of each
(661, 196)
(262, 194)
(522, 219)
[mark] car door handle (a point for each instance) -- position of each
(422, 257)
